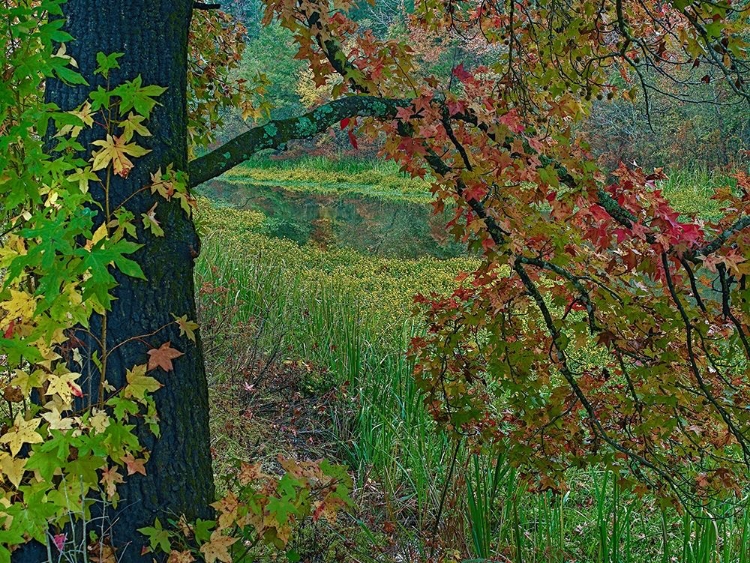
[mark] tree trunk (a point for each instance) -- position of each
(153, 35)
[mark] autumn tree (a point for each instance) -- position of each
(574, 266)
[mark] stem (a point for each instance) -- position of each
(445, 493)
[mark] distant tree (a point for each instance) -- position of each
(707, 129)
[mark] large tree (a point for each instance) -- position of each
(569, 260)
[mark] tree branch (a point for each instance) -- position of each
(276, 133)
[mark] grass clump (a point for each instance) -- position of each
(323, 175)
(690, 191)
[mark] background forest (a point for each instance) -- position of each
(703, 131)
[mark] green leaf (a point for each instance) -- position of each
(203, 529)
(157, 536)
(70, 76)
(105, 63)
(130, 268)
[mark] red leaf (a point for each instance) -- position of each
(318, 511)
(621, 234)
(353, 140)
(75, 389)
(513, 121)
(404, 113)
(59, 541)
(345, 122)
(461, 73)
(9, 330)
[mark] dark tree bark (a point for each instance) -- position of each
(153, 35)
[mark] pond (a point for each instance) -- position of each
(368, 224)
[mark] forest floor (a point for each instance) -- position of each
(305, 349)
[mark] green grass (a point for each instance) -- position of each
(323, 175)
(350, 314)
(690, 191)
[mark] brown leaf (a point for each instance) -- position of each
(162, 357)
(134, 465)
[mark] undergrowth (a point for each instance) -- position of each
(335, 325)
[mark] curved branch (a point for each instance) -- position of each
(278, 132)
(711, 247)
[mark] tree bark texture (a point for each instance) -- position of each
(153, 35)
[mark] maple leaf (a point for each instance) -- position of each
(461, 73)
(114, 150)
(353, 139)
(513, 121)
(99, 421)
(180, 557)
(150, 223)
(22, 432)
(12, 468)
(110, 479)
(139, 383)
(64, 386)
(134, 124)
(162, 357)
(250, 473)
(404, 113)
(710, 262)
(59, 541)
(134, 465)
(57, 421)
(102, 553)
(227, 508)
(83, 176)
(187, 328)
(217, 548)
(161, 186)
(732, 260)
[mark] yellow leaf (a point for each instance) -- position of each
(186, 327)
(12, 468)
(113, 151)
(98, 235)
(139, 383)
(28, 381)
(22, 432)
(56, 421)
(20, 305)
(217, 549)
(64, 386)
(99, 421)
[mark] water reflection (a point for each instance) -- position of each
(367, 224)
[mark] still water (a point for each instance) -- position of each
(367, 224)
